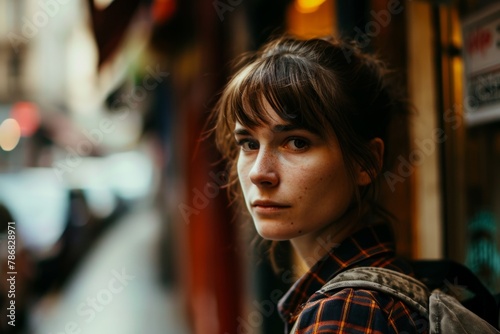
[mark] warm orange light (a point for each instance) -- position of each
(28, 117)
(10, 133)
(321, 22)
(163, 10)
(308, 6)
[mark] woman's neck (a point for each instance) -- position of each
(314, 246)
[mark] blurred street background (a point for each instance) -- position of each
(114, 196)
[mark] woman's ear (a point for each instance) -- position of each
(377, 147)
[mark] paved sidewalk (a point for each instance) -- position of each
(116, 288)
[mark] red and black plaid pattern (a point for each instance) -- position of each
(351, 310)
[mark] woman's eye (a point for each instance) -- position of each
(297, 144)
(248, 145)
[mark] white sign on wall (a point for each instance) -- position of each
(481, 51)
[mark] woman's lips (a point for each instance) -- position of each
(267, 207)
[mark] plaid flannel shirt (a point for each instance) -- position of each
(351, 310)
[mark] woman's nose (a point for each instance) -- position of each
(263, 172)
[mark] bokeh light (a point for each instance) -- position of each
(10, 133)
(27, 116)
(308, 6)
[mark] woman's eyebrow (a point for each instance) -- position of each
(286, 127)
(241, 132)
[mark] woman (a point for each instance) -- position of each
(303, 125)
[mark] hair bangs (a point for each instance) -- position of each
(285, 86)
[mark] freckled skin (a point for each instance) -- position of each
(312, 183)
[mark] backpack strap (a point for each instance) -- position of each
(449, 316)
(401, 286)
(444, 274)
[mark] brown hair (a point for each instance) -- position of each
(325, 86)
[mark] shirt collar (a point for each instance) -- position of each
(363, 245)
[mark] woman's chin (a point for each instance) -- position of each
(274, 234)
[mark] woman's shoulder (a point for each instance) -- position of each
(358, 310)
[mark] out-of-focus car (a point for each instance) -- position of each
(57, 220)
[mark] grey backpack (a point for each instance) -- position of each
(445, 313)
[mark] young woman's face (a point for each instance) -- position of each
(294, 182)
